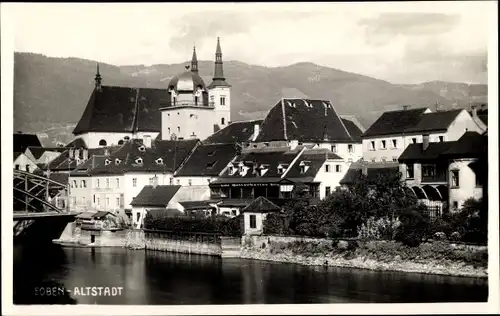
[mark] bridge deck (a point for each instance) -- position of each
(32, 215)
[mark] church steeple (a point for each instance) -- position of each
(194, 61)
(98, 79)
(218, 79)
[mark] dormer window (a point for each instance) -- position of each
(327, 105)
(263, 169)
(304, 166)
(210, 165)
(290, 104)
(107, 162)
(138, 161)
(142, 148)
(117, 161)
(231, 170)
(211, 153)
(159, 161)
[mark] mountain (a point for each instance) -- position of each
(51, 93)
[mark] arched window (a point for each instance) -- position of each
(222, 121)
(120, 142)
(102, 142)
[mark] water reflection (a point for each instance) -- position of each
(149, 277)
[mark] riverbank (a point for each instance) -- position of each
(428, 258)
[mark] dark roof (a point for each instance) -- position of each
(123, 109)
(23, 141)
(353, 129)
(161, 212)
(155, 196)
(194, 205)
(61, 177)
(315, 158)
(395, 122)
(234, 132)
(261, 205)
(162, 156)
(235, 202)
(38, 151)
(208, 160)
(373, 170)
(471, 144)
(85, 168)
(483, 118)
(416, 152)
(100, 214)
(63, 163)
(434, 121)
(303, 120)
(77, 143)
(17, 154)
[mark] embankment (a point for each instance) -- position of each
(430, 258)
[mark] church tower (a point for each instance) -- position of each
(219, 92)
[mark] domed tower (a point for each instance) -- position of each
(188, 112)
(219, 92)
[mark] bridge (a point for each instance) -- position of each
(41, 208)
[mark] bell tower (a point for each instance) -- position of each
(219, 92)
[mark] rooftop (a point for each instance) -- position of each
(23, 141)
(395, 122)
(208, 160)
(159, 195)
(236, 132)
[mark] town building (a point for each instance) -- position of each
(387, 138)
(43, 155)
(24, 163)
(255, 213)
(444, 175)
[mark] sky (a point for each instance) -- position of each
(398, 42)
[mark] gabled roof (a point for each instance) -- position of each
(37, 152)
(434, 121)
(162, 156)
(416, 152)
(314, 159)
(23, 141)
(395, 122)
(123, 109)
(261, 205)
(62, 162)
(236, 132)
(158, 196)
(471, 144)
(196, 205)
(207, 160)
(303, 120)
(372, 172)
(85, 169)
(353, 129)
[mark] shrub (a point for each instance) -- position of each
(413, 228)
(275, 224)
(187, 224)
(382, 228)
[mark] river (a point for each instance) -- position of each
(161, 278)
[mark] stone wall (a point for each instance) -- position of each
(183, 246)
(263, 241)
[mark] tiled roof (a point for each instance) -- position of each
(162, 156)
(261, 205)
(23, 141)
(234, 132)
(194, 205)
(17, 154)
(471, 144)
(434, 121)
(123, 109)
(303, 120)
(77, 143)
(353, 129)
(395, 122)
(372, 171)
(164, 212)
(38, 151)
(416, 152)
(63, 163)
(314, 159)
(207, 160)
(155, 196)
(61, 177)
(84, 170)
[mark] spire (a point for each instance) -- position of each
(98, 79)
(194, 61)
(218, 79)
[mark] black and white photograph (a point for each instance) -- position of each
(249, 158)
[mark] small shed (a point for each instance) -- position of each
(153, 197)
(100, 220)
(255, 213)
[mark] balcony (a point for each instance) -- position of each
(439, 178)
(200, 104)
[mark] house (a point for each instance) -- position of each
(98, 221)
(444, 175)
(274, 173)
(235, 133)
(23, 141)
(24, 163)
(393, 131)
(72, 157)
(255, 213)
(307, 122)
(80, 182)
(43, 155)
(153, 197)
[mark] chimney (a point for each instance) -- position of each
(474, 110)
(155, 181)
(85, 154)
(147, 141)
(256, 130)
(425, 141)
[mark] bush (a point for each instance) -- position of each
(414, 227)
(274, 224)
(187, 224)
(383, 228)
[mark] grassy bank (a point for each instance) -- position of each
(431, 258)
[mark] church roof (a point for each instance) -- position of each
(303, 120)
(123, 110)
(236, 132)
(187, 81)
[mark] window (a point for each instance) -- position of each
(178, 129)
(455, 205)
(178, 182)
(83, 184)
(394, 143)
(455, 180)
(27, 168)
(98, 201)
(117, 183)
(222, 100)
(196, 100)
(327, 191)
(17, 167)
(441, 139)
(102, 142)
(373, 159)
(414, 140)
(169, 130)
(233, 212)
(383, 144)
(117, 201)
(107, 183)
(151, 181)
(208, 180)
(383, 159)
(222, 121)
(428, 171)
(189, 182)
(120, 142)
(97, 183)
(94, 198)
(171, 181)
(327, 168)
(334, 148)
(302, 169)
(253, 221)
(107, 201)
(338, 168)
(350, 148)
(137, 216)
(349, 160)
(372, 145)
(134, 182)
(410, 172)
